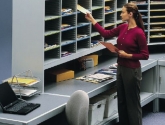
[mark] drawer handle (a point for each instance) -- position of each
(99, 106)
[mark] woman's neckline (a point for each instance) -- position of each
(131, 28)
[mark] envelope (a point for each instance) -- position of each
(82, 9)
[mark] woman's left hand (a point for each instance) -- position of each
(123, 54)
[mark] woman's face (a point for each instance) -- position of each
(125, 16)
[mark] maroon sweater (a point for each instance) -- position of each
(132, 41)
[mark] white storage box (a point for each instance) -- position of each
(111, 103)
(96, 110)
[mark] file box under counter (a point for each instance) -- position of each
(111, 102)
(96, 110)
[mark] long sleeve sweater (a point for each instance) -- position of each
(132, 41)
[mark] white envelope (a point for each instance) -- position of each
(82, 9)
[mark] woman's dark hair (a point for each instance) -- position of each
(131, 7)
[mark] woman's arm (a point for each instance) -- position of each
(104, 33)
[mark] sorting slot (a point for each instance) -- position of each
(85, 3)
(109, 7)
(97, 38)
(52, 42)
(83, 32)
(98, 14)
(68, 49)
(109, 20)
(68, 37)
(156, 6)
(52, 54)
(81, 20)
(157, 14)
(95, 41)
(83, 44)
(53, 8)
(52, 27)
(120, 3)
(97, 2)
(68, 7)
(68, 23)
(157, 40)
(143, 8)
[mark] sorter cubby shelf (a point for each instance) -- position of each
(153, 17)
(157, 18)
(144, 7)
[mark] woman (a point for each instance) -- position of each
(132, 47)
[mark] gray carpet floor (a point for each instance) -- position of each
(150, 118)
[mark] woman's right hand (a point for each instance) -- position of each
(90, 18)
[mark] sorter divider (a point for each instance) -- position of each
(83, 44)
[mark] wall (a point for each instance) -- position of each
(5, 38)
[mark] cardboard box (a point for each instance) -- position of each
(94, 57)
(61, 75)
